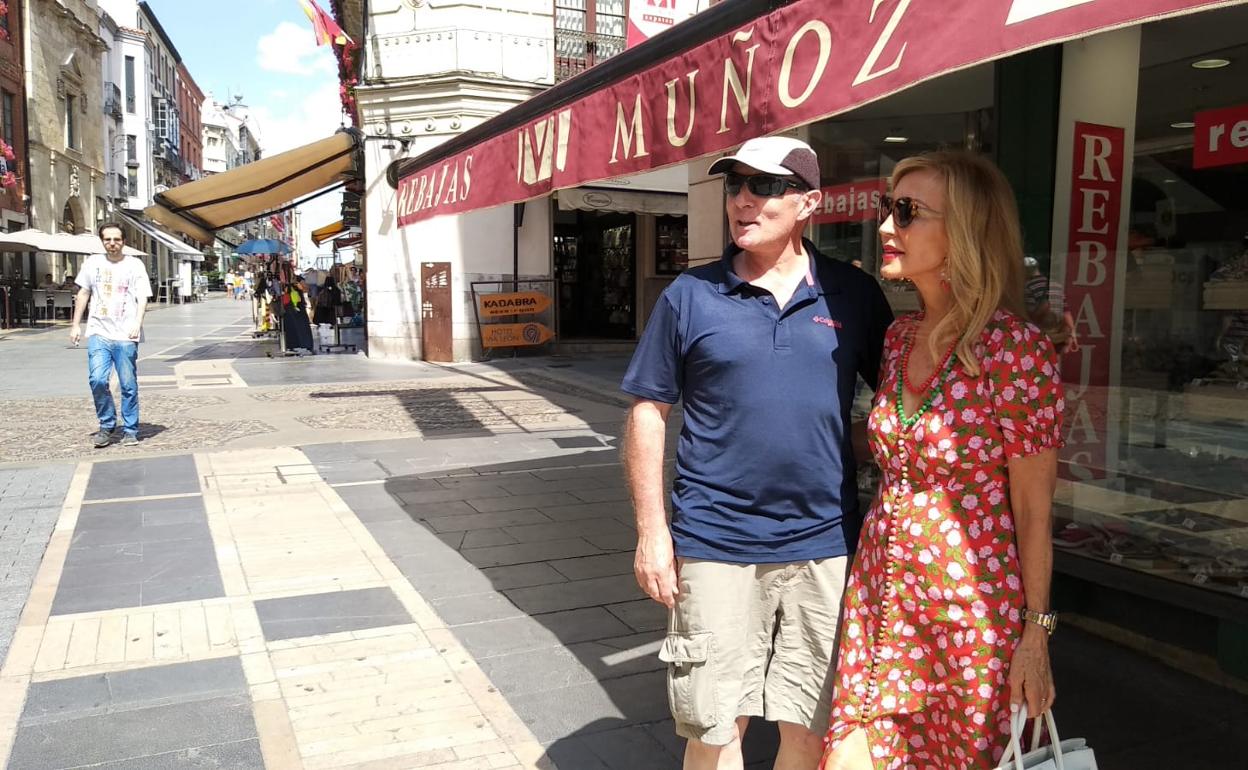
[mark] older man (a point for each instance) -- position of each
(763, 349)
(114, 288)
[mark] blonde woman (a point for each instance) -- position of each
(947, 614)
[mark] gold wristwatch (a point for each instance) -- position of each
(1046, 620)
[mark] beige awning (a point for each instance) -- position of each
(264, 187)
(627, 201)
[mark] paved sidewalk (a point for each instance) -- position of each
(231, 610)
(30, 502)
(407, 566)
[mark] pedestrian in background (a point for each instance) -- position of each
(947, 619)
(114, 289)
(763, 349)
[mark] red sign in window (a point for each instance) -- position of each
(1221, 137)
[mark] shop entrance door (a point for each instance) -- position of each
(594, 263)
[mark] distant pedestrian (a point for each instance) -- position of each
(229, 284)
(763, 348)
(114, 289)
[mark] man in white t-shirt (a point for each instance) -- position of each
(116, 288)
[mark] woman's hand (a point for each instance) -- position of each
(1031, 679)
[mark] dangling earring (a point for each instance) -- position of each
(944, 280)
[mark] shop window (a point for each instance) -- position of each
(595, 253)
(858, 151)
(671, 249)
(1166, 494)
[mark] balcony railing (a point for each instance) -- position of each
(112, 100)
(576, 52)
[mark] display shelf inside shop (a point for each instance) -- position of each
(1226, 295)
(1202, 545)
(1152, 288)
(671, 251)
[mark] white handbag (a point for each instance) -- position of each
(1070, 754)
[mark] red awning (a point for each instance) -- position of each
(805, 61)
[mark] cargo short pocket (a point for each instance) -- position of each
(690, 678)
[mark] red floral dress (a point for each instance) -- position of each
(933, 603)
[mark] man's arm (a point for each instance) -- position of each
(137, 331)
(80, 303)
(645, 433)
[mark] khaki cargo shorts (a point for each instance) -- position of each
(752, 640)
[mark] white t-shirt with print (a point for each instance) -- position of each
(116, 288)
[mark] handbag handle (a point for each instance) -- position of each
(1018, 723)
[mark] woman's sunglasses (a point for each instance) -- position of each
(762, 185)
(903, 210)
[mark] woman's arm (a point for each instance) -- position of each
(1033, 479)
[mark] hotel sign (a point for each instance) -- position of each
(805, 61)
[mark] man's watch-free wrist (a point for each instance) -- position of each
(1046, 620)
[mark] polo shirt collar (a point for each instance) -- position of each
(730, 281)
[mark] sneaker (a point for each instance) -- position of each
(129, 440)
(102, 439)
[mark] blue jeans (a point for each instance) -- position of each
(104, 355)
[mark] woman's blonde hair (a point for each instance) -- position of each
(984, 266)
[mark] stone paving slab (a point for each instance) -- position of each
(143, 478)
(318, 614)
(30, 502)
(127, 717)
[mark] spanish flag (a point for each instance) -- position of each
(323, 25)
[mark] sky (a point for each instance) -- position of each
(264, 51)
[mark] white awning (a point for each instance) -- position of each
(180, 249)
(627, 201)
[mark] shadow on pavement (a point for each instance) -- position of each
(529, 563)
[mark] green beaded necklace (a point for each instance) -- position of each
(932, 388)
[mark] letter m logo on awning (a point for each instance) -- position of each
(543, 147)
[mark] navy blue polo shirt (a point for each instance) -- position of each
(765, 468)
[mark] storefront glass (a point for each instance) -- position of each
(595, 256)
(857, 153)
(1168, 495)
(1152, 494)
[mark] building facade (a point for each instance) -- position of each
(14, 188)
(219, 137)
(437, 72)
(68, 181)
(165, 122)
(129, 153)
(190, 103)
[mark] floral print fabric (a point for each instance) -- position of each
(933, 604)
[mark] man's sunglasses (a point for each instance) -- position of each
(903, 210)
(762, 185)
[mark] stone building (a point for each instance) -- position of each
(430, 74)
(68, 184)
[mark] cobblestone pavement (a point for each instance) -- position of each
(60, 428)
(30, 502)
